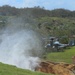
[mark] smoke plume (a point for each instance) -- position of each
(20, 44)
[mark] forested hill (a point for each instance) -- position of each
(37, 12)
(57, 22)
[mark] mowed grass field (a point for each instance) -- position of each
(65, 56)
(12, 70)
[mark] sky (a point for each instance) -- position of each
(47, 4)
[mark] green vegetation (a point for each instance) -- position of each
(12, 70)
(55, 26)
(37, 12)
(65, 56)
(57, 23)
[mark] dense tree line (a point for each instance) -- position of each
(37, 12)
(7, 10)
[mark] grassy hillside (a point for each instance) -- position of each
(12, 70)
(47, 26)
(55, 26)
(62, 56)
